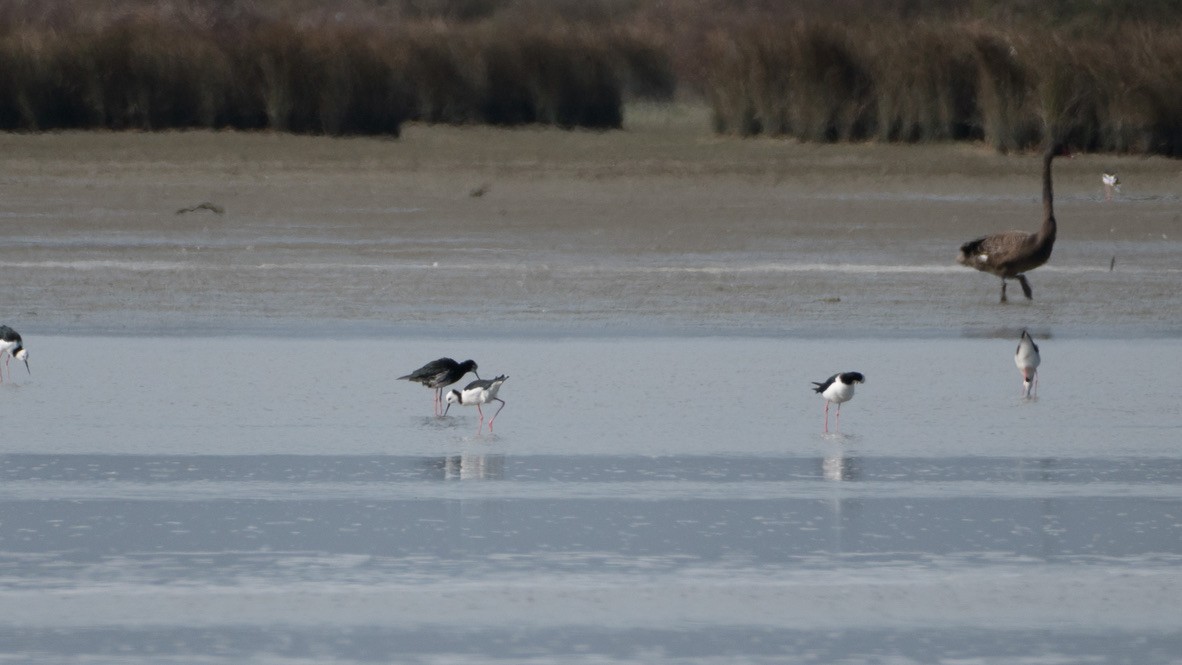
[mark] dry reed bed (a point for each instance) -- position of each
(819, 70)
(148, 73)
(817, 81)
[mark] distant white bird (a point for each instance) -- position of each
(479, 392)
(1111, 184)
(1027, 360)
(11, 344)
(837, 389)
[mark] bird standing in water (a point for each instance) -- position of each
(438, 374)
(1011, 254)
(1027, 360)
(837, 389)
(1111, 185)
(481, 391)
(11, 344)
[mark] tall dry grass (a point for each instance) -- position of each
(949, 81)
(156, 69)
(927, 90)
(799, 80)
(1011, 73)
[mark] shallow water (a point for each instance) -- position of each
(643, 499)
(211, 461)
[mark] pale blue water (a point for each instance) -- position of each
(644, 499)
(254, 486)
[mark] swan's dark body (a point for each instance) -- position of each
(1010, 254)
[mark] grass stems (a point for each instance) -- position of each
(150, 72)
(949, 81)
(1104, 75)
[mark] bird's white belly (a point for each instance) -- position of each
(1025, 362)
(839, 393)
(475, 397)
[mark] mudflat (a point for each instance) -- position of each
(663, 226)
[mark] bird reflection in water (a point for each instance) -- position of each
(472, 466)
(843, 522)
(839, 467)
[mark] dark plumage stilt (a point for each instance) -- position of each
(439, 374)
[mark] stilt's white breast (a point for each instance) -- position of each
(839, 392)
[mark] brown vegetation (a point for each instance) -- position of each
(1103, 75)
(155, 68)
(950, 81)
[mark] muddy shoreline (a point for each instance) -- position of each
(662, 228)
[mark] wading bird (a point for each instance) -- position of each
(481, 391)
(10, 343)
(1027, 360)
(1010, 254)
(837, 389)
(1111, 185)
(438, 374)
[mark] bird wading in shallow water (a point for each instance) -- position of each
(1027, 360)
(11, 344)
(837, 389)
(481, 391)
(1011, 254)
(1111, 185)
(439, 374)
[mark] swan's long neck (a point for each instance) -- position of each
(1049, 227)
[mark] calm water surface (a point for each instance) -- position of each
(644, 499)
(252, 485)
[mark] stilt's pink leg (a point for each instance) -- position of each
(479, 424)
(837, 419)
(490, 422)
(826, 416)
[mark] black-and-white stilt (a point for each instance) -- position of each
(837, 389)
(1111, 185)
(481, 391)
(11, 344)
(439, 374)
(1027, 360)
